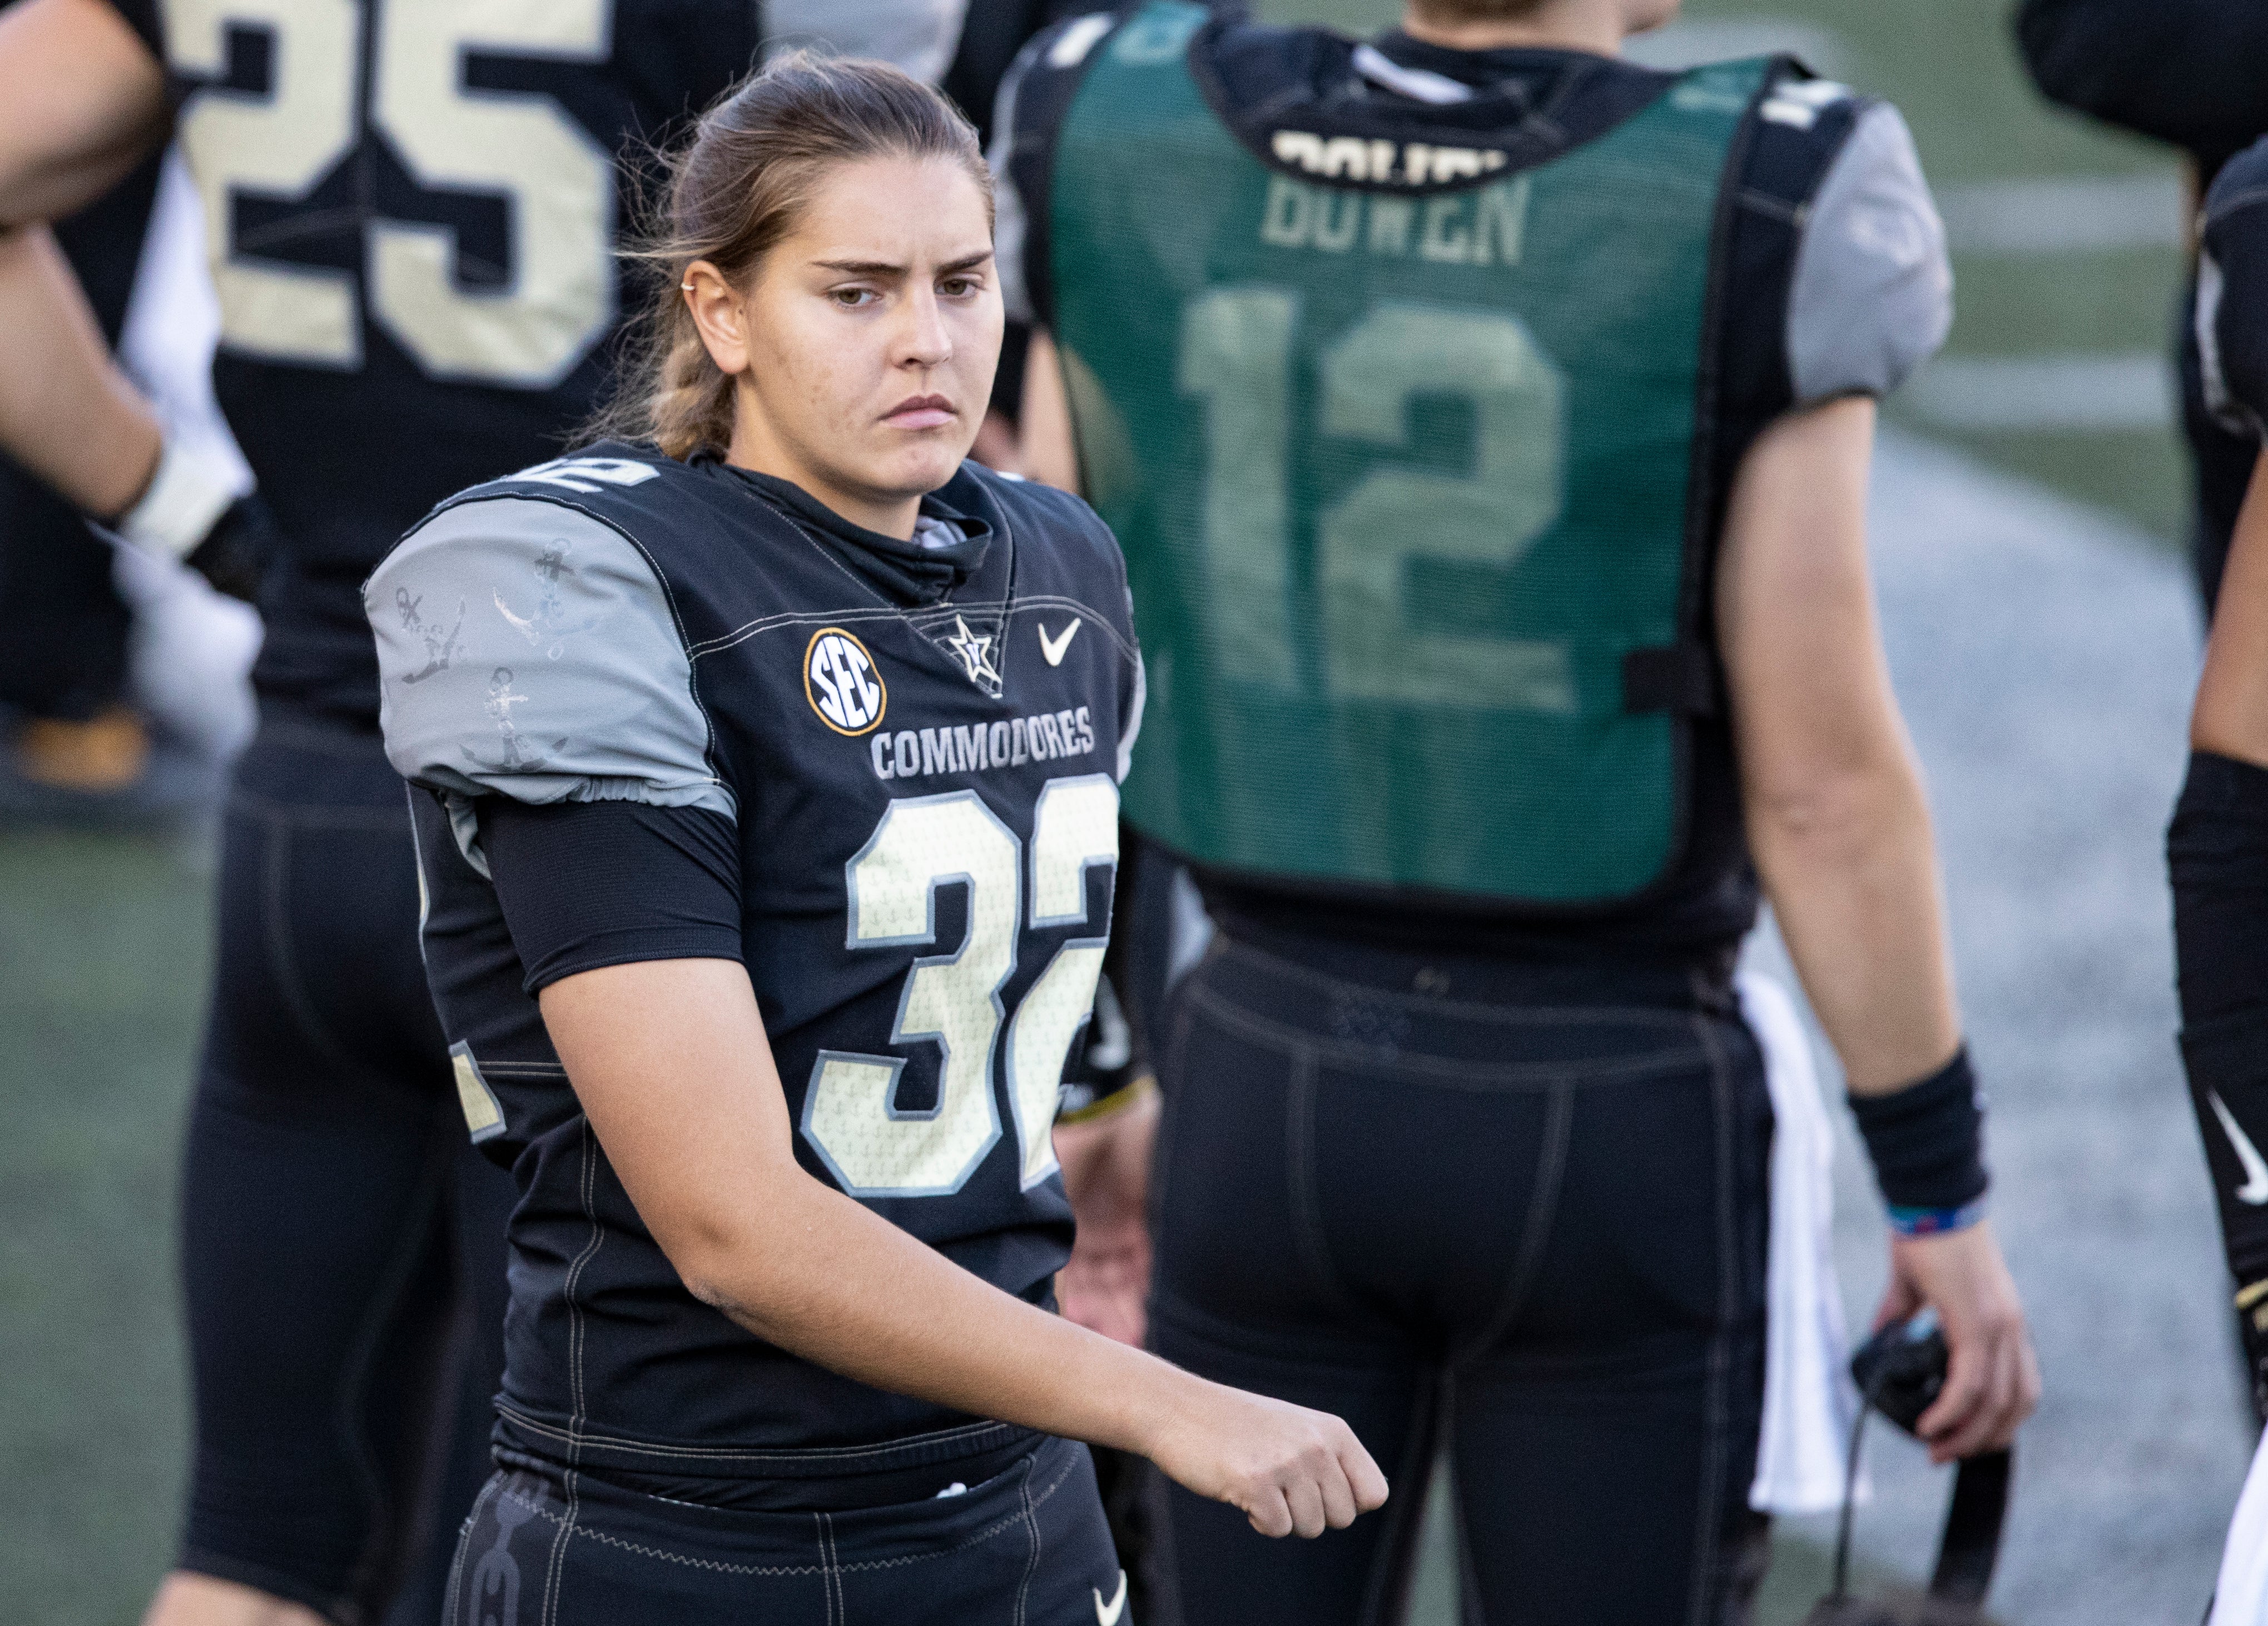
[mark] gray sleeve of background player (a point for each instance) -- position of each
(917, 35)
(526, 649)
(1872, 297)
(1011, 222)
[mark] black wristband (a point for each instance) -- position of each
(236, 553)
(1927, 1140)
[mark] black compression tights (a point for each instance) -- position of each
(1529, 1234)
(341, 1247)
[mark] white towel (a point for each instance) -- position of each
(2240, 1598)
(1809, 1399)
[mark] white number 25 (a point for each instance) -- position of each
(850, 1113)
(557, 183)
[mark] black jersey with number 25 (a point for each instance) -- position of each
(926, 796)
(412, 208)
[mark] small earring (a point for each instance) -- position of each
(688, 287)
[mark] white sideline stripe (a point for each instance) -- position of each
(1688, 44)
(2059, 391)
(2080, 214)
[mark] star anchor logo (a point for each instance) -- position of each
(975, 655)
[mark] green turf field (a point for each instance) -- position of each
(102, 939)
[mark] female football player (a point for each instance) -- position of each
(767, 809)
(1486, 420)
(341, 1245)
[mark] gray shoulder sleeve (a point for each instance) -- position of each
(1872, 297)
(526, 649)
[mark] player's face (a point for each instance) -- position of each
(1638, 15)
(872, 331)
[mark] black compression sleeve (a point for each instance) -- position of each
(591, 883)
(2217, 851)
(2217, 854)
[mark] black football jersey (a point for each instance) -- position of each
(924, 790)
(413, 208)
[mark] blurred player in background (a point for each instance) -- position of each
(1486, 422)
(413, 212)
(2188, 73)
(2218, 845)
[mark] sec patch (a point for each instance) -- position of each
(843, 683)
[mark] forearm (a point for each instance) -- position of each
(82, 101)
(1837, 820)
(835, 1282)
(2217, 860)
(1850, 869)
(67, 413)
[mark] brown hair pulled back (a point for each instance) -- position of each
(735, 191)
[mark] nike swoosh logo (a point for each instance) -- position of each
(1107, 1612)
(2254, 1191)
(1053, 649)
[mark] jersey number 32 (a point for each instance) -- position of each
(851, 1113)
(279, 145)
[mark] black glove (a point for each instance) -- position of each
(191, 512)
(236, 553)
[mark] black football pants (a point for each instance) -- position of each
(1517, 1217)
(1028, 1547)
(341, 1245)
